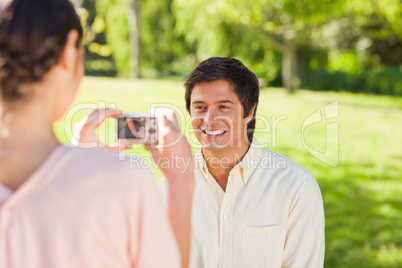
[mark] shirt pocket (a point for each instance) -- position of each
(262, 247)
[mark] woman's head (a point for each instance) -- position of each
(33, 34)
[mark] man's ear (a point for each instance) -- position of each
(68, 57)
(250, 116)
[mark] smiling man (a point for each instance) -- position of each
(219, 126)
(248, 211)
(251, 207)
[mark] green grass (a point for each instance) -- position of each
(362, 192)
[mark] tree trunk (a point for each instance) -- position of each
(289, 61)
(133, 19)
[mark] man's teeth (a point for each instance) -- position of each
(215, 132)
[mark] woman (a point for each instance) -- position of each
(65, 207)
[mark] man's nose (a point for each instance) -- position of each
(209, 116)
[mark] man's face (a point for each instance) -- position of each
(217, 116)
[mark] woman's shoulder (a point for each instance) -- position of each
(90, 168)
(100, 159)
(92, 156)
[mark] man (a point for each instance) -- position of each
(252, 207)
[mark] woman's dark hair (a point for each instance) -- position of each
(32, 36)
(244, 83)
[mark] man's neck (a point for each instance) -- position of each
(221, 162)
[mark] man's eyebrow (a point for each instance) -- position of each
(225, 101)
(219, 101)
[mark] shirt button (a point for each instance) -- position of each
(225, 245)
(225, 216)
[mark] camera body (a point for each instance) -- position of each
(137, 128)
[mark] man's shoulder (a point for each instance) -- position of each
(284, 174)
(287, 162)
(274, 163)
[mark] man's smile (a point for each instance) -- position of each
(214, 133)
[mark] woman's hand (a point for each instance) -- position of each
(173, 152)
(84, 135)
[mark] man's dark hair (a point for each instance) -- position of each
(243, 82)
(32, 36)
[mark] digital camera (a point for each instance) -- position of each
(137, 128)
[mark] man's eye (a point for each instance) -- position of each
(199, 108)
(223, 107)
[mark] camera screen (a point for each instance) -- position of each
(132, 128)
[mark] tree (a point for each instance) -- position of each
(133, 25)
(98, 54)
(284, 25)
(122, 33)
(370, 29)
(164, 51)
(142, 31)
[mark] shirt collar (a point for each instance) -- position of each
(245, 166)
(200, 162)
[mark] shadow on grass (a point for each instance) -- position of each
(362, 230)
(363, 211)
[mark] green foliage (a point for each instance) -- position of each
(98, 54)
(201, 24)
(163, 51)
(341, 45)
(377, 80)
(204, 24)
(253, 30)
(348, 62)
(384, 80)
(114, 13)
(370, 29)
(322, 79)
(281, 16)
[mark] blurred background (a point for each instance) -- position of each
(350, 45)
(341, 59)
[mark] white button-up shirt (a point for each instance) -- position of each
(271, 214)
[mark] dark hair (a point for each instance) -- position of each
(32, 36)
(244, 83)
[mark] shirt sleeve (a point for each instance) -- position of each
(153, 242)
(305, 238)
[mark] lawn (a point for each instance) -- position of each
(351, 143)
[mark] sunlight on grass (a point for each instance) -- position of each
(362, 194)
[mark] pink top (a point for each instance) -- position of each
(84, 208)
